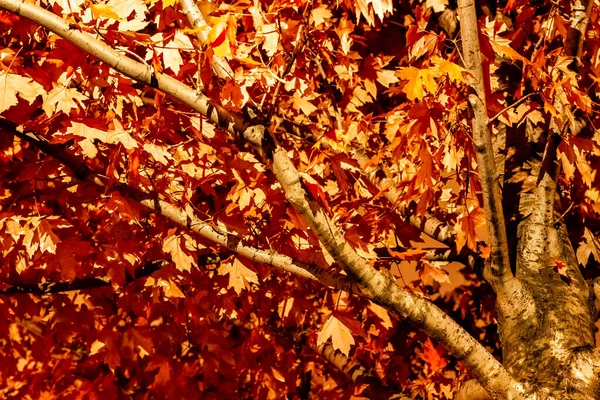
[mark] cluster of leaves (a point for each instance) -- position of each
(330, 81)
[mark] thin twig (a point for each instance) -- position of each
(516, 103)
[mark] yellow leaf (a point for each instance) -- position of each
(588, 246)
(12, 84)
(383, 315)
(88, 148)
(502, 47)
(103, 10)
(271, 35)
(95, 347)
(386, 77)
(48, 240)
(160, 153)
(124, 8)
(566, 164)
(62, 98)
(420, 82)
(182, 260)
(168, 3)
(437, 5)
(222, 36)
(302, 104)
(240, 277)
(340, 335)
(378, 7)
(320, 15)
(170, 288)
(454, 72)
(588, 174)
(424, 45)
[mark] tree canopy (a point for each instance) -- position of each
(299, 199)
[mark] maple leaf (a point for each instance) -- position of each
(68, 6)
(37, 233)
(88, 148)
(222, 35)
(383, 315)
(138, 339)
(408, 255)
(588, 246)
(380, 7)
(169, 3)
(301, 103)
(170, 51)
(341, 337)
(47, 239)
(183, 261)
(12, 84)
(420, 82)
(165, 373)
(240, 276)
(431, 270)
(103, 10)
(62, 98)
(124, 8)
(444, 67)
(386, 77)
(425, 45)
(466, 227)
(502, 47)
(320, 15)
(160, 153)
(434, 356)
(437, 5)
(169, 287)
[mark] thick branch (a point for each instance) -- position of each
(384, 291)
(513, 300)
(380, 285)
(482, 140)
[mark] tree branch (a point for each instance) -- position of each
(186, 217)
(512, 298)
(380, 286)
(428, 224)
(196, 19)
(482, 141)
(95, 282)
